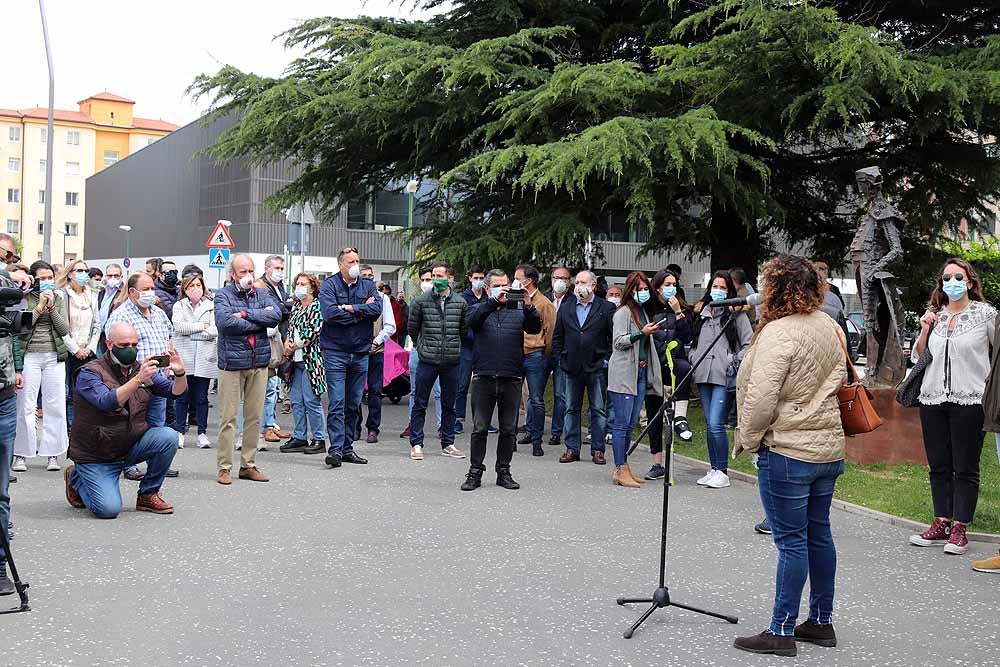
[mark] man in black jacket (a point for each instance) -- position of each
(498, 367)
(437, 326)
(582, 344)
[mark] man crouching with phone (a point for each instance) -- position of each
(110, 431)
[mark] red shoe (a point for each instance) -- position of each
(958, 543)
(153, 503)
(936, 535)
(405, 433)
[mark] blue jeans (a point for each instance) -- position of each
(267, 418)
(72, 366)
(558, 397)
(307, 407)
(156, 411)
(427, 375)
(464, 380)
(796, 496)
(345, 383)
(8, 429)
(97, 483)
(536, 374)
(596, 389)
(196, 394)
(627, 408)
(414, 362)
(376, 378)
(715, 403)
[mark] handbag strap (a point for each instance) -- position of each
(850, 364)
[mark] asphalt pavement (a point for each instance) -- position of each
(390, 564)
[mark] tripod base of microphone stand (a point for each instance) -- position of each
(661, 599)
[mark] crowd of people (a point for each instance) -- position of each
(139, 354)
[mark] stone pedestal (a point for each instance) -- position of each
(898, 440)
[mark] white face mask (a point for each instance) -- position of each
(147, 299)
(113, 283)
(426, 286)
(277, 276)
(246, 282)
(616, 300)
(559, 286)
(583, 292)
(354, 271)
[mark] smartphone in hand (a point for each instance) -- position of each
(162, 360)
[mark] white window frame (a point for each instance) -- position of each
(74, 226)
(13, 195)
(41, 227)
(73, 137)
(42, 166)
(72, 168)
(14, 164)
(45, 135)
(72, 199)
(13, 226)
(110, 161)
(14, 134)
(41, 196)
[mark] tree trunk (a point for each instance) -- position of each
(734, 243)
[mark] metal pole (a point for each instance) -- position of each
(302, 236)
(49, 167)
(409, 248)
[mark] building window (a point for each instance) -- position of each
(72, 199)
(41, 228)
(13, 164)
(149, 142)
(72, 168)
(13, 226)
(13, 195)
(73, 137)
(14, 133)
(45, 135)
(41, 167)
(392, 211)
(110, 157)
(72, 229)
(357, 214)
(41, 196)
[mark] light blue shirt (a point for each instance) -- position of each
(582, 310)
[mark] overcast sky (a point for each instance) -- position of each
(151, 51)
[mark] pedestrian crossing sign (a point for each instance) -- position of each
(218, 258)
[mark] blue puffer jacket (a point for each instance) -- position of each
(243, 341)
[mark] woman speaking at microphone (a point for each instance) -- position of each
(786, 394)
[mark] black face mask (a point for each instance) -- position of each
(125, 356)
(170, 278)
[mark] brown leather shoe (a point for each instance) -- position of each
(631, 473)
(598, 458)
(72, 497)
(272, 435)
(224, 478)
(620, 477)
(569, 456)
(284, 435)
(152, 502)
(253, 475)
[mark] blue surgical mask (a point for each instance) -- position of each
(642, 296)
(478, 284)
(718, 294)
(46, 285)
(81, 278)
(955, 289)
(495, 292)
(3, 267)
(300, 292)
(668, 291)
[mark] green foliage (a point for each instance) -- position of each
(985, 257)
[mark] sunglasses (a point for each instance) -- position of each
(948, 277)
(354, 250)
(83, 271)
(11, 258)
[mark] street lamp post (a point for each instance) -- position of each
(50, 143)
(411, 188)
(128, 240)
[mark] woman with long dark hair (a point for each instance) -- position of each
(958, 329)
(669, 341)
(718, 370)
(790, 417)
(633, 372)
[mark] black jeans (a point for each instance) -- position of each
(504, 394)
(376, 367)
(953, 440)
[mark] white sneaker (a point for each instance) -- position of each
(239, 442)
(719, 480)
(203, 441)
(417, 453)
(704, 480)
(53, 464)
(19, 465)
(180, 440)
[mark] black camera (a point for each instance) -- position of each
(515, 298)
(12, 322)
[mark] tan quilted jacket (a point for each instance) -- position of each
(786, 390)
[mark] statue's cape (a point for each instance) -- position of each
(883, 210)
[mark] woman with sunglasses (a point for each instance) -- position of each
(44, 372)
(958, 329)
(84, 324)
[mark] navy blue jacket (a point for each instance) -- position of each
(243, 341)
(168, 297)
(342, 331)
(583, 349)
(498, 350)
(471, 299)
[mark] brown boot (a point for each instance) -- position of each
(253, 475)
(152, 502)
(621, 477)
(72, 497)
(638, 480)
(224, 478)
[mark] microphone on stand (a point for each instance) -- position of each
(739, 302)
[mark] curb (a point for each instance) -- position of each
(851, 508)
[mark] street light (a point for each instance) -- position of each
(411, 188)
(50, 140)
(128, 240)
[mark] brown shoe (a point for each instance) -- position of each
(620, 477)
(152, 502)
(637, 480)
(598, 458)
(765, 642)
(272, 435)
(284, 435)
(253, 475)
(569, 456)
(286, 408)
(72, 497)
(224, 478)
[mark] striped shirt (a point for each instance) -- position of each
(154, 331)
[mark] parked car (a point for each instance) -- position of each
(854, 340)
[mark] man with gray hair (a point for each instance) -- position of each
(243, 314)
(274, 281)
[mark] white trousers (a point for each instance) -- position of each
(42, 371)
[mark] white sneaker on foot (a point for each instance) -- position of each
(19, 465)
(704, 480)
(203, 441)
(417, 453)
(719, 480)
(180, 440)
(452, 452)
(53, 464)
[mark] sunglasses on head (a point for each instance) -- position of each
(952, 276)
(354, 250)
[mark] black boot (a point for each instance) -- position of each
(6, 585)
(765, 642)
(473, 480)
(814, 633)
(505, 480)
(536, 449)
(317, 447)
(293, 445)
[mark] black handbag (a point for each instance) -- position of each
(286, 369)
(908, 391)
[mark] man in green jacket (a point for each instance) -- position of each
(437, 325)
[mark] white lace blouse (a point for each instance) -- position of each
(961, 358)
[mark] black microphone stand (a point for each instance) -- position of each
(19, 586)
(661, 596)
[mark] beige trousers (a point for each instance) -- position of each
(249, 388)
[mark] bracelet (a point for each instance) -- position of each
(179, 375)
